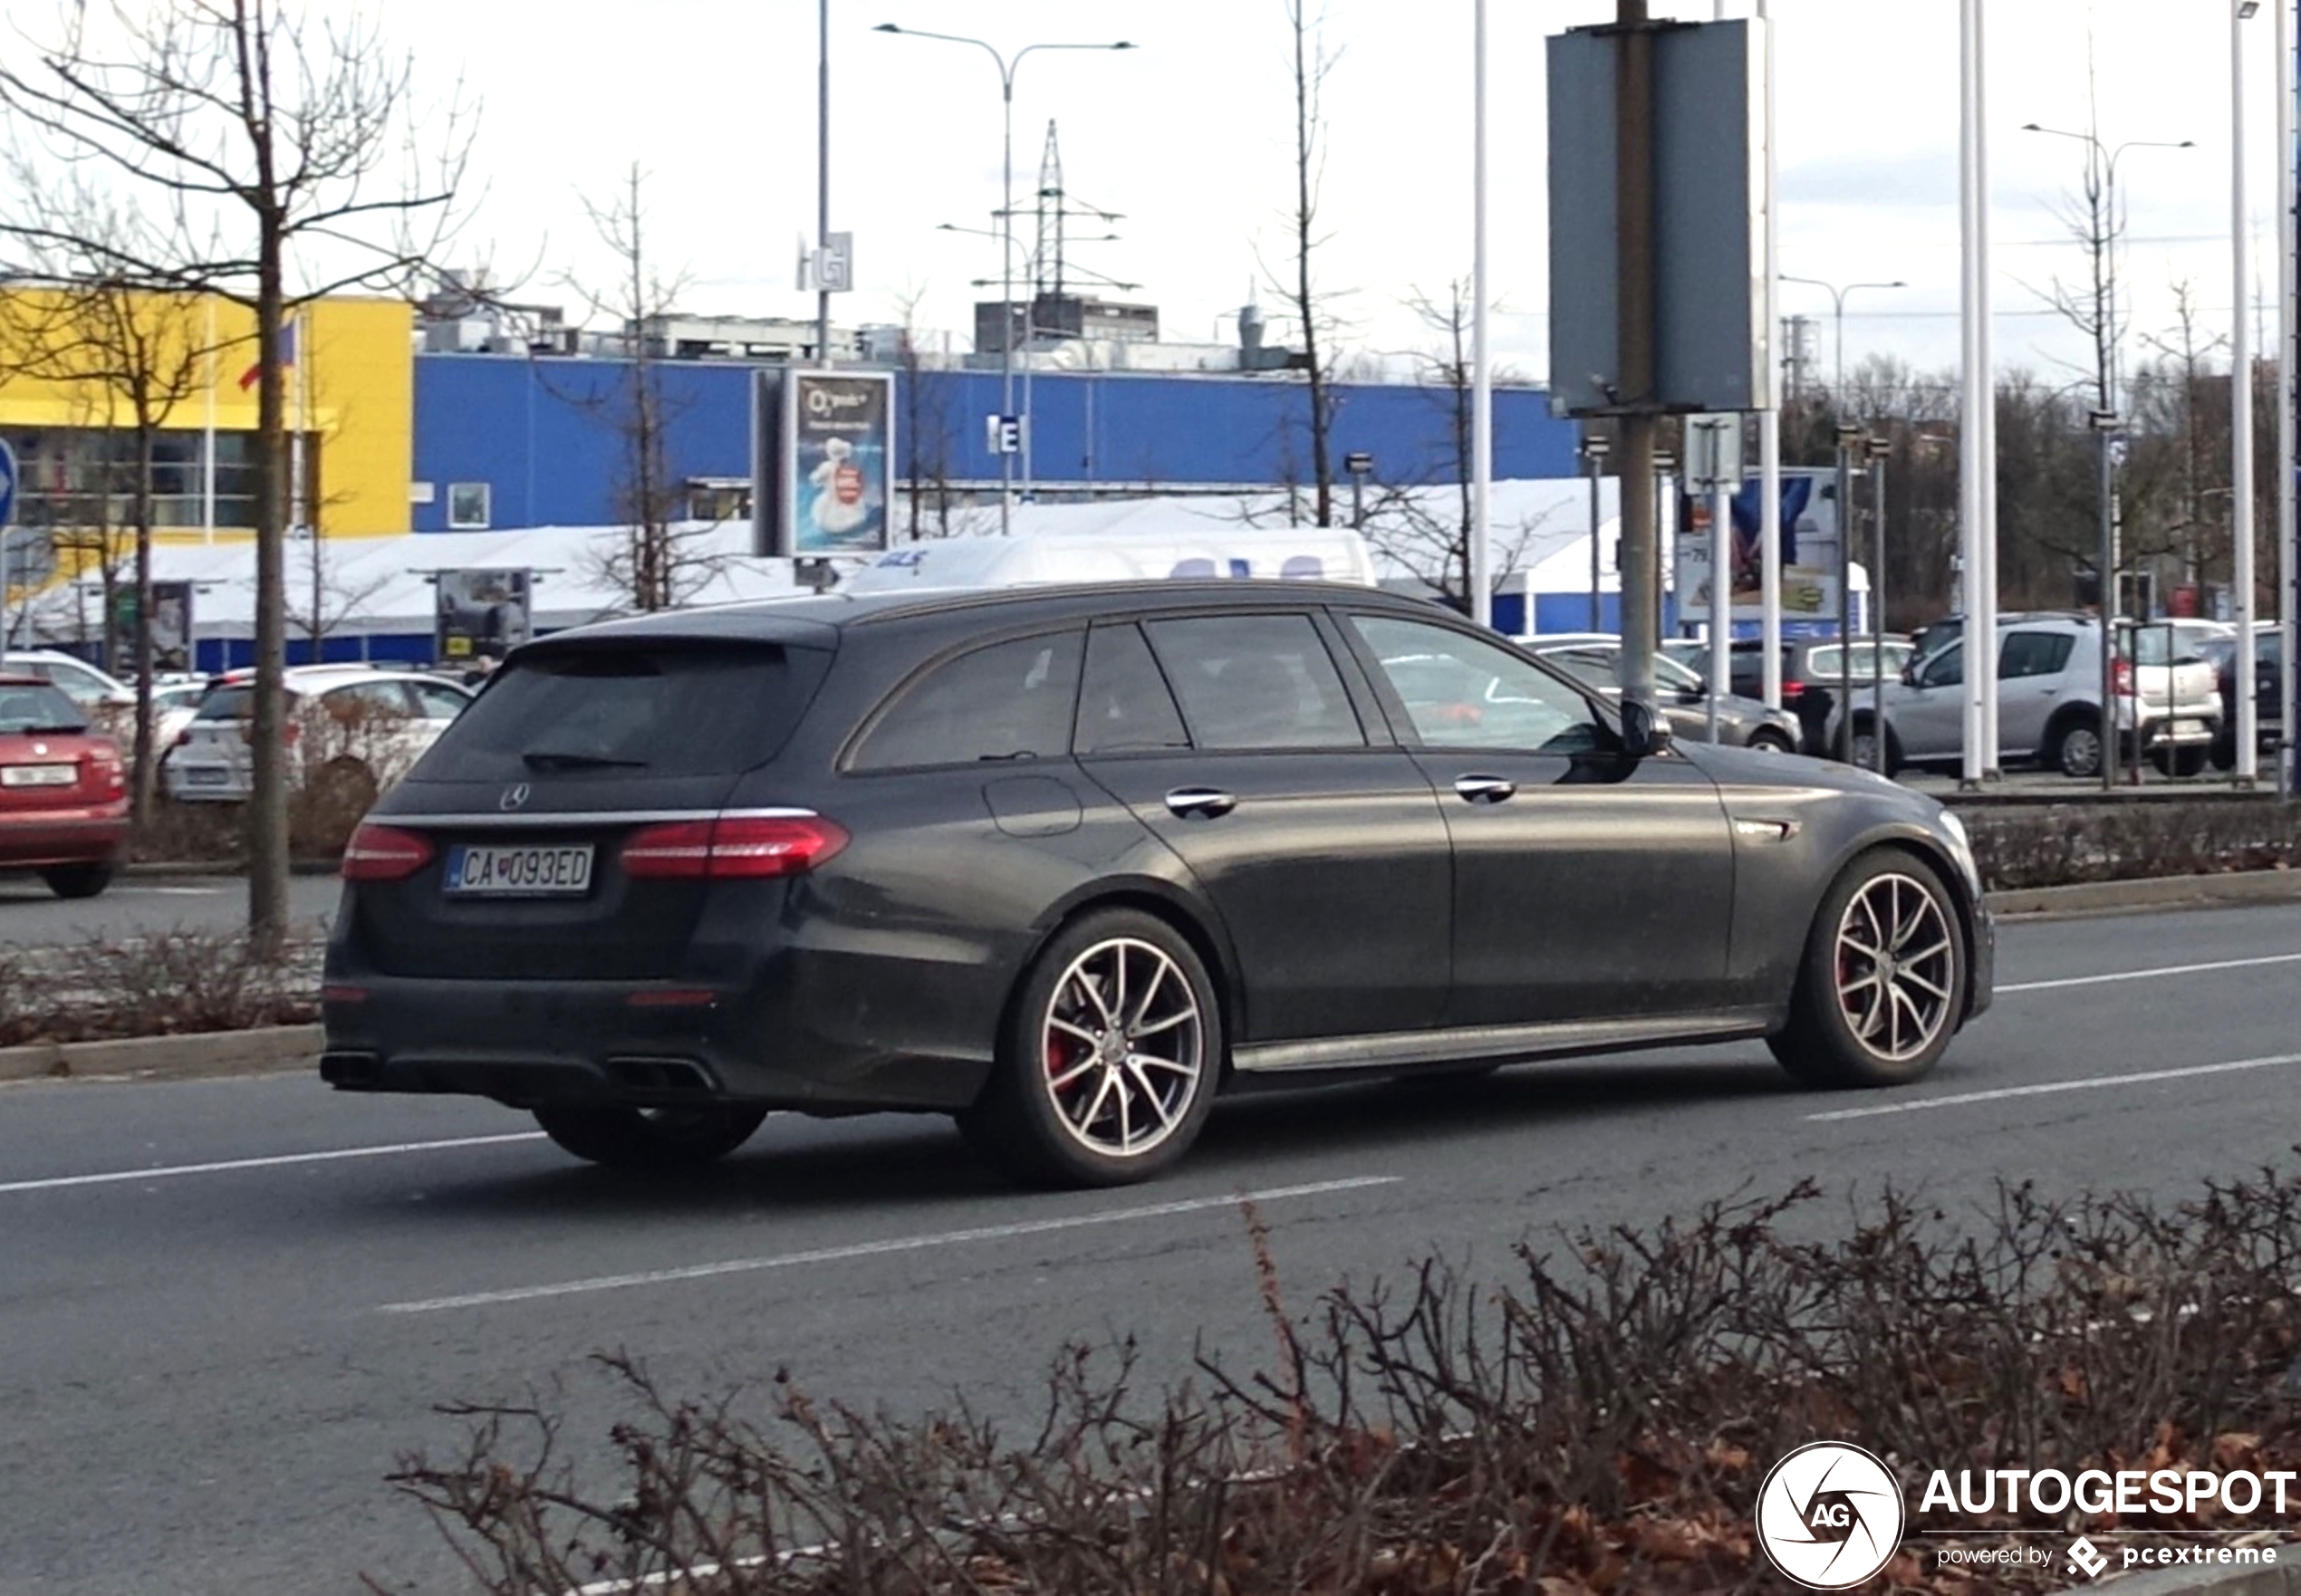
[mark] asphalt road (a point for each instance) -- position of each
(217, 1330)
(138, 905)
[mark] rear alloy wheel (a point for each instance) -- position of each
(1882, 988)
(1769, 741)
(1108, 1066)
(625, 1137)
(2076, 747)
(1864, 754)
(77, 881)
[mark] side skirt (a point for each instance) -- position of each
(1466, 1043)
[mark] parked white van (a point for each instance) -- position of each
(1307, 553)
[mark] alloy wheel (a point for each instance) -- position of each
(2081, 752)
(1123, 1047)
(1896, 966)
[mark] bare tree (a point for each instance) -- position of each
(1310, 63)
(927, 444)
(257, 148)
(658, 563)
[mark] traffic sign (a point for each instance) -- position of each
(1003, 435)
(1358, 463)
(8, 482)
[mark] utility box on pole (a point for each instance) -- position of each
(1712, 347)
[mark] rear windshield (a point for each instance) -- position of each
(629, 711)
(35, 706)
(2158, 645)
(236, 703)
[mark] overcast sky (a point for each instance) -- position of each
(1189, 136)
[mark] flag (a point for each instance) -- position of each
(287, 358)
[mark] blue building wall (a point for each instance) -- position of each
(548, 434)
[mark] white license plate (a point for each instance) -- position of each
(209, 776)
(38, 775)
(529, 870)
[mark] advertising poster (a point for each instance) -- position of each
(1809, 555)
(172, 625)
(838, 438)
(482, 613)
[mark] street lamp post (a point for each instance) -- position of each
(1837, 299)
(1594, 450)
(1006, 69)
(2248, 768)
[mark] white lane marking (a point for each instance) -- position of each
(2043, 1088)
(169, 1171)
(872, 1249)
(2223, 964)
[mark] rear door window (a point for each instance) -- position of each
(2034, 653)
(661, 710)
(1257, 681)
(1008, 701)
(1124, 704)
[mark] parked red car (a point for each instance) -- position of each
(64, 791)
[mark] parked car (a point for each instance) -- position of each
(2050, 701)
(64, 791)
(1810, 678)
(1593, 659)
(2268, 698)
(86, 686)
(1066, 862)
(365, 727)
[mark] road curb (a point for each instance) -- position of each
(2238, 886)
(221, 867)
(267, 1051)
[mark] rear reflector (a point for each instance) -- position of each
(334, 994)
(731, 847)
(384, 853)
(673, 997)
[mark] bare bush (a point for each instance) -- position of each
(168, 983)
(1602, 1424)
(2061, 844)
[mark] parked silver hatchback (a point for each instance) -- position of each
(2165, 700)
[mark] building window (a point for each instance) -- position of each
(83, 478)
(467, 506)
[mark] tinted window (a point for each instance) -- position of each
(233, 703)
(2157, 645)
(1945, 669)
(1008, 701)
(1462, 692)
(367, 701)
(28, 708)
(2034, 653)
(1594, 668)
(1257, 681)
(1124, 702)
(667, 710)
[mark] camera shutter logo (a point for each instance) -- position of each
(1830, 1516)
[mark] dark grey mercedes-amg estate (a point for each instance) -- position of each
(1066, 863)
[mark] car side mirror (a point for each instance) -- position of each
(1643, 732)
(1910, 674)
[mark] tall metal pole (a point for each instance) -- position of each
(1846, 523)
(1721, 561)
(1769, 422)
(1877, 609)
(1971, 461)
(1481, 593)
(1006, 294)
(823, 181)
(2289, 189)
(1597, 607)
(2105, 557)
(2241, 409)
(1635, 176)
(1983, 661)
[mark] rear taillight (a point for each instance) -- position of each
(2121, 678)
(731, 847)
(183, 738)
(290, 730)
(1791, 691)
(384, 853)
(106, 771)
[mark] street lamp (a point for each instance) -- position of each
(1837, 298)
(1007, 68)
(2248, 768)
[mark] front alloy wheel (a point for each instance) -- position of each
(1109, 1061)
(1882, 988)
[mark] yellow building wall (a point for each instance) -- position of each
(353, 385)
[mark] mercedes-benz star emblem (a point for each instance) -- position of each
(513, 797)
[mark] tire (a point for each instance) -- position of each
(1116, 1018)
(1858, 753)
(2186, 761)
(77, 881)
(1895, 893)
(623, 1137)
(1766, 740)
(2073, 746)
(2224, 754)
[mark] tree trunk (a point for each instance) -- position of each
(267, 832)
(146, 761)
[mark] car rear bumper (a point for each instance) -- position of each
(2179, 730)
(86, 834)
(643, 1042)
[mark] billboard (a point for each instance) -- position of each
(1809, 555)
(482, 613)
(823, 447)
(171, 627)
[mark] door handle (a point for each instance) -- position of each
(1484, 789)
(1201, 803)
